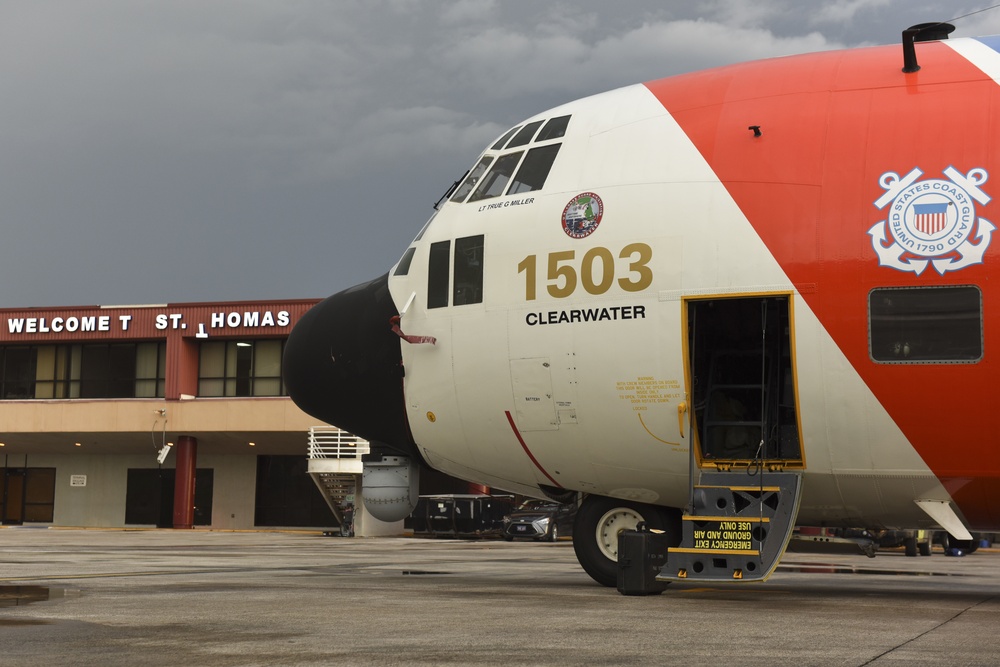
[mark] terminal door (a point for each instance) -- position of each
(743, 380)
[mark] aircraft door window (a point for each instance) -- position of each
(468, 270)
(913, 325)
(534, 170)
(496, 181)
(437, 274)
(470, 181)
(554, 129)
(524, 136)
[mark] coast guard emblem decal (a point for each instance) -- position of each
(931, 221)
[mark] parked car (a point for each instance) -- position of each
(539, 520)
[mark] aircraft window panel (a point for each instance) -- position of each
(505, 138)
(468, 270)
(524, 136)
(496, 181)
(437, 274)
(403, 267)
(554, 129)
(912, 325)
(472, 179)
(534, 170)
(427, 224)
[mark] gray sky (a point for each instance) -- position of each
(196, 150)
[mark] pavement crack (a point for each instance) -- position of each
(928, 631)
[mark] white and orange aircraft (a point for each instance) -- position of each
(722, 303)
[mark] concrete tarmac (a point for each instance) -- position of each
(152, 598)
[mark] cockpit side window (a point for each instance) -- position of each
(496, 181)
(470, 181)
(403, 267)
(525, 135)
(534, 170)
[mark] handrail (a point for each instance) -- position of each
(329, 442)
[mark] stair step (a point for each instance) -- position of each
(682, 550)
(336, 486)
(734, 531)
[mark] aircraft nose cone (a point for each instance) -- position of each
(342, 364)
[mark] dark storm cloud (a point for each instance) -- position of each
(182, 150)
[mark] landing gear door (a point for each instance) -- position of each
(743, 391)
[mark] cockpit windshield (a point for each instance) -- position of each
(508, 173)
(495, 182)
(472, 179)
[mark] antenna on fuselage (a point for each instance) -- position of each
(928, 32)
(922, 32)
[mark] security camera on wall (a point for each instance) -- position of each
(162, 455)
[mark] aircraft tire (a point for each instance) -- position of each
(596, 528)
(967, 546)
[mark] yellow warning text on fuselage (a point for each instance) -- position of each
(724, 535)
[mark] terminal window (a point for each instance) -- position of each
(241, 368)
(99, 370)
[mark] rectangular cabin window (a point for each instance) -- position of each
(437, 274)
(496, 181)
(468, 270)
(913, 325)
(534, 170)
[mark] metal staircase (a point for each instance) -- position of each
(737, 527)
(335, 467)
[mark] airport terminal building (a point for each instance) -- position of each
(91, 396)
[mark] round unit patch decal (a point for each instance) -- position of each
(582, 215)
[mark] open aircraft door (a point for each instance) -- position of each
(745, 484)
(741, 373)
